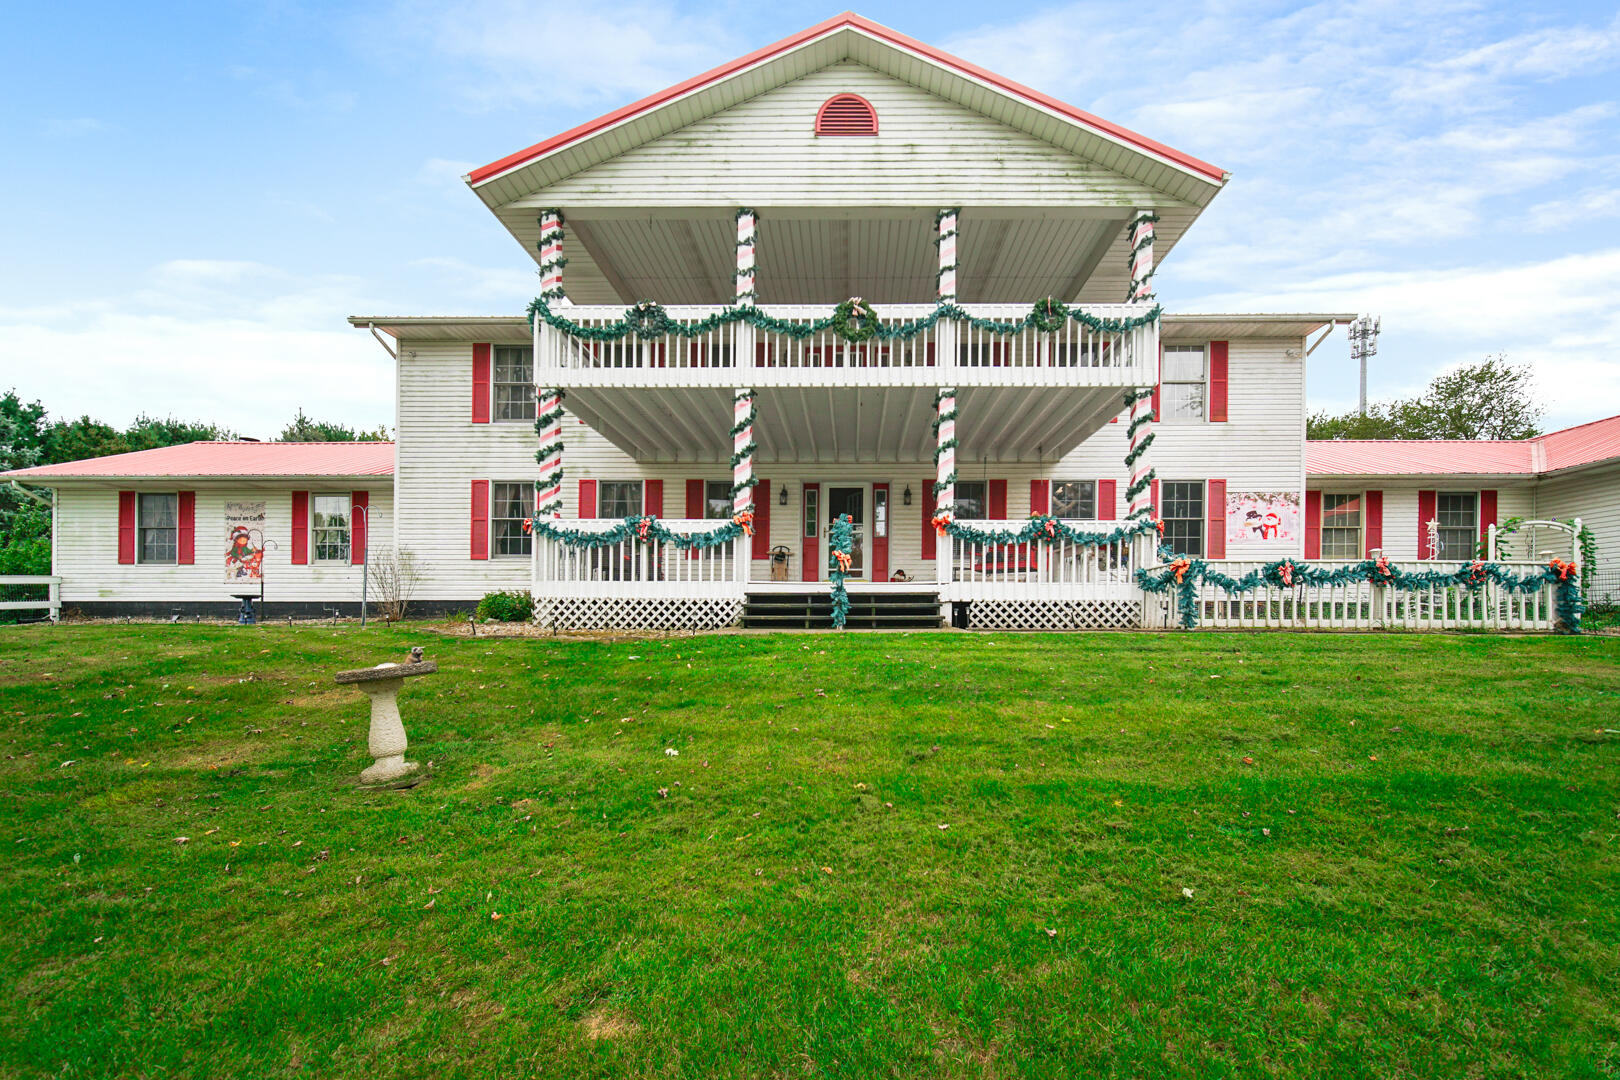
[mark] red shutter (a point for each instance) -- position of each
(185, 533)
(1040, 497)
(1215, 518)
(880, 544)
(587, 499)
(1427, 504)
(1313, 524)
(300, 528)
(810, 533)
(1487, 510)
(695, 502)
(1375, 521)
(997, 500)
(1156, 378)
(652, 498)
(478, 521)
(359, 520)
(929, 537)
(1107, 500)
(1218, 365)
(1153, 496)
(126, 527)
(480, 383)
(761, 548)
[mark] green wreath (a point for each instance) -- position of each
(855, 321)
(1048, 316)
(648, 319)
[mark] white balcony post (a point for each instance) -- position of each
(742, 450)
(747, 246)
(551, 257)
(945, 479)
(1139, 459)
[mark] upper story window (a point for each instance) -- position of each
(513, 381)
(717, 499)
(1183, 376)
(618, 498)
(971, 500)
(846, 114)
(159, 528)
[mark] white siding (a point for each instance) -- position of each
(1401, 505)
(1592, 496)
(86, 553)
(928, 152)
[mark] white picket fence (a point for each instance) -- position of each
(1061, 571)
(53, 598)
(1361, 605)
(635, 570)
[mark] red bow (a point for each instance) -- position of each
(528, 524)
(642, 526)
(1287, 572)
(746, 520)
(1562, 569)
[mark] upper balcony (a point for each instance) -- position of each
(1094, 350)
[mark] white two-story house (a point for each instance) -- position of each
(846, 274)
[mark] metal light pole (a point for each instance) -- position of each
(1364, 343)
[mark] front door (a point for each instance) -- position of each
(851, 501)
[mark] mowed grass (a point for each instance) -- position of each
(874, 855)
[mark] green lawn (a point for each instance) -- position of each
(874, 855)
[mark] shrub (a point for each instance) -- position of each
(513, 605)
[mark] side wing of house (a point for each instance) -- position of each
(1593, 495)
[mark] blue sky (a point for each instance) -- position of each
(198, 194)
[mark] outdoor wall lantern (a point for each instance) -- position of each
(781, 498)
(905, 496)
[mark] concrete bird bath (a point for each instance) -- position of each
(386, 741)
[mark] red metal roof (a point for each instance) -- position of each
(1566, 449)
(244, 459)
(877, 30)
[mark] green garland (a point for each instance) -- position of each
(547, 265)
(1045, 529)
(748, 449)
(840, 541)
(648, 320)
(645, 528)
(1288, 573)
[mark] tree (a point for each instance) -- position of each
(1489, 400)
(307, 429)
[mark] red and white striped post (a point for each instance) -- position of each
(742, 450)
(1140, 430)
(551, 256)
(548, 492)
(747, 245)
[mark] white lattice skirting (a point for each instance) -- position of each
(582, 613)
(1054, 615)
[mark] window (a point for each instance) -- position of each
(514, 382)
(1181, 381)
(1074, 498)
(509, 505)
(880, 511)
(970, 500)
(812, 503)
(618, 498)
(1341, 526)
(1458, 514)
(329, 521)
(716, 499)
(1183, 514)
(159, 528)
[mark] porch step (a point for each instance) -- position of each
(867, 611)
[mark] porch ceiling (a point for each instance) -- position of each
(822, 256)
(842, 425)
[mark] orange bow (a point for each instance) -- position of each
(1181, 566)
(746, 520)
(528, 524)
(942, 521)
(844, 560)
(1562, 569)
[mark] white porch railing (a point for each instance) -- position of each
(1073, 355)
(1060, 571)
(53, 594)
(1361, 605)
(635, 570)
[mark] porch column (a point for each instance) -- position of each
(551, 256)
(747, 243)
(945, 241)
(945, 476)
(742, 450)
(548, 425)
(1139, 460)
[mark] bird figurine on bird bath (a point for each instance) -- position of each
(386, 740)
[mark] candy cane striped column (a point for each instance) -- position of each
(742, 450)
(548, 423)
(1141, 261)
(551, 255)
(946, 242)
(945, 452)
(1139, 492)
(747, 243)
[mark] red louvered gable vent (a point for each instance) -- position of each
(846, 114)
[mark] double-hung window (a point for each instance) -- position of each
(1074, 499)
(618, 498)
(329, 524)
(1458, 515)
(509, 505)
(1183, 378)
(514, 382)
(1183, 515)
(716, 499)
(971, 500)
(1341, 526)
(159, 528)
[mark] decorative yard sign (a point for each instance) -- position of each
(1262, 517)
(244, 542)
